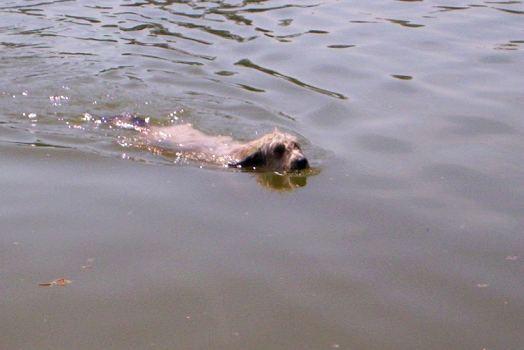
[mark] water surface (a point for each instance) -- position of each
(409, 237)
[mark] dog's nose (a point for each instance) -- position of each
(300, 163)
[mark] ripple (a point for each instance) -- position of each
(402, 77)
(511, 45)
(250, 88)
(363, 22)
(169, 47)
(34, 31)
(76, 53)
(191, 63)
(225, 73)
(98, 7)
(404, 23)
(84, 39)
(226, 34)
(248, 64)
(284, 38)
(452, 8)
(27, 12)
(11, 45)
(87, 19)
(35, 5)
(340, 46)
(263, 9)
(107, 70)
(285, 22)
(158, 29)
(39, 143)
(513, 12)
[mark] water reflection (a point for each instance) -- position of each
(284, 182)
(515, 12)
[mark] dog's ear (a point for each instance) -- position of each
(255, 159)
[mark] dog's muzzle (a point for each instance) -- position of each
(300, 164)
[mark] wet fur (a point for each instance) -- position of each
(275, 151)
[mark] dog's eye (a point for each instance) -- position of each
(295, 145)
(279, 150)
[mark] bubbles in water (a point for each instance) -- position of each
(57, 100)
(30, 115)
(174, 116)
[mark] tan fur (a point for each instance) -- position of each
(275, 151)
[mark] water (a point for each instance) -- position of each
(409, 236)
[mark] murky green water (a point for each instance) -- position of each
(409, 237)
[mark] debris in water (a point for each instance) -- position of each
(62, 282)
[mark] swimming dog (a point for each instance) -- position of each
(275, 151)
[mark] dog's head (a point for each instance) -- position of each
(275, 151)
